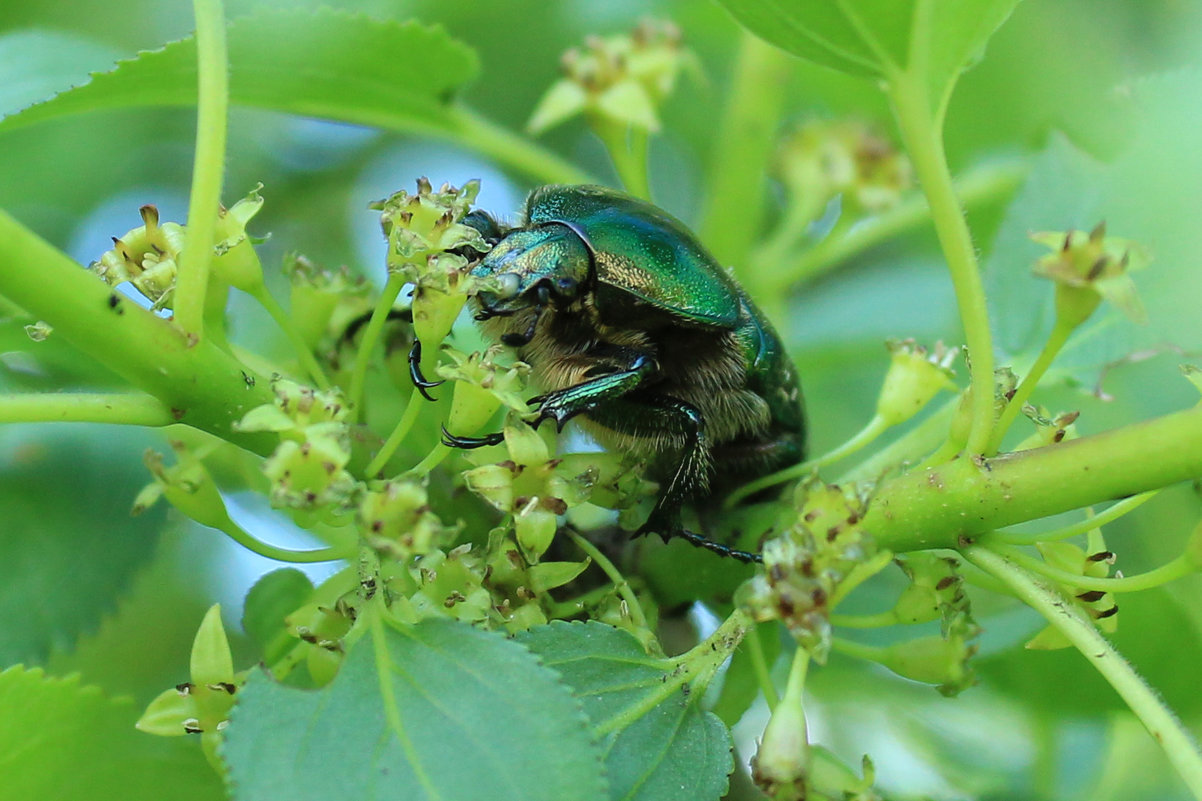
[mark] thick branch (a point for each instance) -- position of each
(942, 506)
(202, 385)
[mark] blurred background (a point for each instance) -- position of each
(1098, 98)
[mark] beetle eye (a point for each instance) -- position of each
(508, 285)
(565, 286)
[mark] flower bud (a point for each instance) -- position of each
(914, 378)
(621, 79)
(780, 767)
(932, 660)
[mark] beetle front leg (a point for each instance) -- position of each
(622, 377)
(415, 371)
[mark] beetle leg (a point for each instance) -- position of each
(659, 414)
(468, 443)
(564, 404)
(415, 371)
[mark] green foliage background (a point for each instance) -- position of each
(1101, 99)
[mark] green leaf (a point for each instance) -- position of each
(439, 710)
(64, 740)
(933, 39)
(68, 544)
(323, 63)
(673, 750)
(274, 597)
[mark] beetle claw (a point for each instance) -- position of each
(469, 443)
(415, 371)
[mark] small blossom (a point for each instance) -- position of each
(202, 705)
(147, 257)
(914, 377)
(39, 331)
(426, 245)
(804, 565)
(621, 79)
(1088, 268)
(481, 387)
(396, 519)
(828, 158)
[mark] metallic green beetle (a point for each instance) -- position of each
(630, 325)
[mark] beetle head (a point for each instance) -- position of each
(532, 267)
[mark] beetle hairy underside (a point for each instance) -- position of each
(634, 329)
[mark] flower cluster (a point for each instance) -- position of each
(308, 468)
(620, 79)
(821, 159)
(805, 564)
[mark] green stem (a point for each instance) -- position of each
(879, 620)
(379, 316)
(628, 150)
(875, 427)
(286, 324)
(1170, 571)
(202, 385)
(240, 536)
(911, 446)
(741, 151)
(858, 650)
(978, 186)
(398, 435)
(1115, 511)
(1060, 334)
(763, 675)
(84, 407)
(923, 138)
(511, 149)
(939, 507)
(208, 166)
(796, 683)
(1160, 721)
(431, 460)
(619, 581)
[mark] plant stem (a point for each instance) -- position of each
(1160, 721)
(620, 583)
(286, 324)
(1060, 334)
(940, 506)
(511, 149)
(746, 136)
(763, 674)
(208, 167)
(879, 620)
(398, 435)
(431, 460)
(875, 427)
(80, 407)
(979, 185)
(379, 316)
(1170, 571)
(202, 385)
(1115, 511)
(922, 133)
(627, 149)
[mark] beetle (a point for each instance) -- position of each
(630, 325)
